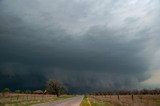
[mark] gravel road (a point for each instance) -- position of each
(75, 101)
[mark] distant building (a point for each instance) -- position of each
(38, 92)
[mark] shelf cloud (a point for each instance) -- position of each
(88, 45)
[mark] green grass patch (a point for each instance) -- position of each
(92, 102)
(85, 102)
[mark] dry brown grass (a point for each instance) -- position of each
(128, 100)
(12, 99)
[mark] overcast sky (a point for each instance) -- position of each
(87, 44)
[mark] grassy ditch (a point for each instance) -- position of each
(87, 101)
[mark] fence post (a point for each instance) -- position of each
(17, 97)
(132, 97)
(118, 97)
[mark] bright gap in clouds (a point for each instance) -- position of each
(153, 81)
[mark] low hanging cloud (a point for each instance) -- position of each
(88, 45)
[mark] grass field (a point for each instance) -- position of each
(27, 99)
(127, 100)
(90, 100)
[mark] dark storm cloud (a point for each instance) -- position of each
(81, 43)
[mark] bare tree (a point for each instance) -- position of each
(55, 87)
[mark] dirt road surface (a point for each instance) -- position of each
(75, 101)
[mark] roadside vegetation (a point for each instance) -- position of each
(85, 102)
(88, 101)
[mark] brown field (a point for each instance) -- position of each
(129, 100)
(12, 99)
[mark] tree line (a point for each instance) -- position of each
(129, 92)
